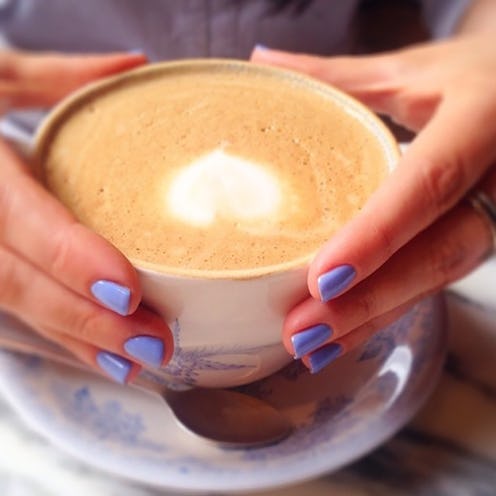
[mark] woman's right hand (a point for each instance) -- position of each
(64, 280)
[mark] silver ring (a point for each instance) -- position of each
(481, 202)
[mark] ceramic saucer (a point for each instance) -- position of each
(340, 414)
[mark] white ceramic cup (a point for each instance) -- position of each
(227, 328)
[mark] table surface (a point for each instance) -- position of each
(448, 449)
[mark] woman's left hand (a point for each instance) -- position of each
(417, 233)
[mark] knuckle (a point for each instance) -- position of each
(11, 289)
(313, 67)
(443, 182)
(62, 250)
(5, 207)
(85, 325)
(391, 68)
(9, 66)
(385, 240)
(415, 110)
(405, 110)
(446, 262)
(365, 307)
(356, 310)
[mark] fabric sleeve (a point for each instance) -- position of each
(443, 16)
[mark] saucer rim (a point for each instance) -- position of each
(386, 426)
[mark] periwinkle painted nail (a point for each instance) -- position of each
(112, 295)
(146, 349)
(310, 339)
(323, 357)
(115, 366)
(335, 281)
(261, 47)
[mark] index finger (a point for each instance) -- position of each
(40, 80)
(446, 159)
(40, 229)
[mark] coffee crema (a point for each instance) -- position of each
(215, 168)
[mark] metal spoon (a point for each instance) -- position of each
(224, 417)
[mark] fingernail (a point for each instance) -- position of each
(323, 357)
(146, 349)
(114, 365)
(335, 281)
(261, 47)
(136, 51)
(310, 339)
(112, 295)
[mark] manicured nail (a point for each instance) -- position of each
(310, 339)
(114, 365)
(261, 47)
(146, 349)
(323, 357)
(112, 295)
(335, 281)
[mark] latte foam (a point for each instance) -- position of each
(221, 186)
(210, 168)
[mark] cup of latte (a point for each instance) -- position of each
(219, 180)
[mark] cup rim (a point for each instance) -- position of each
(78, 98)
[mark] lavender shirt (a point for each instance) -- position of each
(192, 28)
(166, 29)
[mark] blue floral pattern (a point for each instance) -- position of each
(335, 420)
(186, 364)
(107, 420)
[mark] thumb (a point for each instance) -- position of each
(40, 80)
(371, 79)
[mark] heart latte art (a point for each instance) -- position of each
(221, 186)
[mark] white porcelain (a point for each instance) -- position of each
(227, 332)
(340, 414)
(226, 325)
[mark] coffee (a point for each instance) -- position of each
(213, 168)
